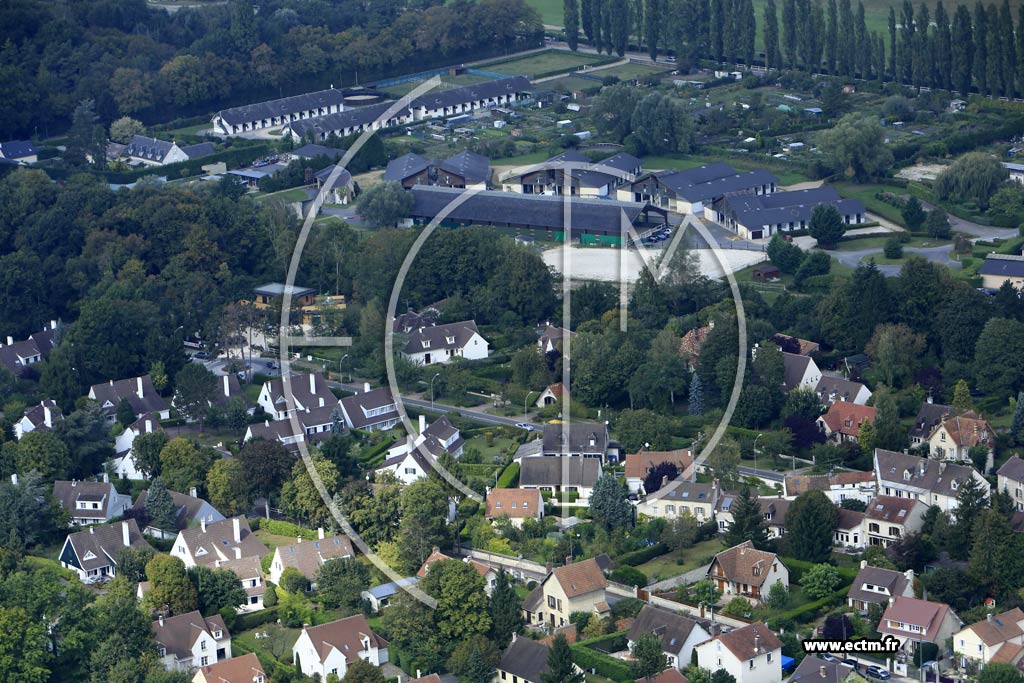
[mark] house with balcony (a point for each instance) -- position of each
(565, 478)
(746, 571)
(838, 486)
(914, 621)
(187, 641)
(371, 410)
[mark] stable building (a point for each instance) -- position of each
(755, 217)
(591, 221)
(253, 117)
(1000, 268)
(464, 170)
(573, 173)
(690, 191)
(146, 151)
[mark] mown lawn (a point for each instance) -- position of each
(543, 62)
(666, 566)
(631, 71)
(551, 11)
(866, 194)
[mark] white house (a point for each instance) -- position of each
(517, 505)
(372, 410)
(799, 372)
(875, 586)
(932, 483)
(915, 621)
(998, 637)
(560, 476)
(243, 669)
(123, 462)
(42, 416)
(190, 510)
(444, 343)
(90, 502)
(190, 640)
(138, 391)
(250, 575)
(746, 571)
(752, 654)
(679, 634)
(330, 648)
(1010, 480)
(208, 544)
(309, 391)
(888, 519)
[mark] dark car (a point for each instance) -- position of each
(851, 662)
(201, 355)
(828, 657)
(878, 672)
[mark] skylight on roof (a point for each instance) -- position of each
(879, 507)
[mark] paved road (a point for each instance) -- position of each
(934, 254)
(978, 231)
(691, 576)
(763, 474)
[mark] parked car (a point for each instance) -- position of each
(829, 657)
(202, 355)
(878, 672)
(527, 426)
(851, 663)
(273, 365)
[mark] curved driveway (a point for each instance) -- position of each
(934, 254)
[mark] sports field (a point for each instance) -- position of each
(544, 62)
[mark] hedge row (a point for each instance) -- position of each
(245, 622)
(282, 528)
(810, 611)
(601, 664)
(510, 477)
(638, 557)
(376, 455)
(609, 642)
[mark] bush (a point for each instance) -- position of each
(245, 622)
(611, 642)
(638, 557)
(629, 576)
(293, 581)
(281, 528)
(810, 611)
(269, 595)
(602, 664)
(893, 248)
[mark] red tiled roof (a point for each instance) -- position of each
(846, 418)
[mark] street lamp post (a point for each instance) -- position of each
(525, 401)
(755, 452)
(436, 375)
(341, 376)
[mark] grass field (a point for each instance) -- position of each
(296, 194)
(666, 566)
(866, 194)
(447, 83)
(543, 62)
(630, 71)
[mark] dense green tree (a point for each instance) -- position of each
(27, 510)
(301, 496)
(87, 435)
(820, 580)
(474, 659)
(991, 565)
(789, 32)
(424, 516)
(896, 351)
(855, 147)
(146, 452)
(24, 657)
(970, 498)
(648, 658)
(267, 464)
(962, 49)
(227, 486)
(216, 589)
(194, 388)
(973, 177)
(998, 364)
(571, 22)
(170, 588)
(125, 413)
(363, 671)
(505, 611)
(999, 672)
(826, 226)
(42, 451)
(748, 522)
(132, 561)
(385, 204)
(560, 665)
(608, 504)
(634, 428)
(340, 581)
(912, 213)
(462, 605)
(184, 465)
(160, 507)
(890, 433)
(810, 527)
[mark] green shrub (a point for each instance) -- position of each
(604, 665)
(638, 557)
(281, 528)
(269, 594)
(610, 642)
(245, 622)
(510, 477)
(629, 576)
(798, 567)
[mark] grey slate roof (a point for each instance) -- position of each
(37, 414)
(545, 470)
(179, 633)
(317, 396)
(344, 178)
(475, 168)
(378, 398)
(893, 580)
(436, 337)
(928, 418)
(386, 590)
(673, 629)
(104, 542)
(68, 493)
(720, 187)
(313, 151)
(526, 659)
(219, 541)
(405, 166)
(794, 366)
(844, 389)
(784, 207)
(575, 437)
(1007, 265)
(472, 93)
(17, 149)
(892, 465)
(280, 107)
(537, 211)
(197, 151)
(148, 148)
(14, 356)
(1012, 469)
(814, 669)
(623, 161)
(113, 391)
(186, 508)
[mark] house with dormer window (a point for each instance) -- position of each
(42, 416)
(640, 465)
(875, 586)
(445, 343)
(955, 436)
(308, 556)
(752, 654)
(244, 669)
(309, 391)
(208, 544)
(933, 483)
(745, 571)
(888, 519)
(138, 391)
(515, 504)
(842, 421)
(915, 621)
(577, 439)
(187, 641)
(90, 502)
(371, 410)
(678, 497)
(330, 648)
(92, 553)
(678, 634)
(996, 638)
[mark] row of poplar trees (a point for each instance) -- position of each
(925, 46)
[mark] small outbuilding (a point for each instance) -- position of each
(765, 272)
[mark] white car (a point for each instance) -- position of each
(527, 426)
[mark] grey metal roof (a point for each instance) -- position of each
(349, 118)
(437, 337)
(575, 437)
(343, 179)
(472, 93)
(279, 288)
(890, 579)
(536, 211)
(545, 470)
(356, 407)
(844, 389)
(17, 149)
(623, 161)
(386, 590)
(473, 167)
(1007, 265)
(203, 149)
(784, 207)
(793, 366)
(719, 187)
(280, 107)
(314, 151)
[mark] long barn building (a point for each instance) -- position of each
(434, 105)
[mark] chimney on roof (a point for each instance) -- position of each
(821, 671)
(568, 560)
(757, 644)
(10, 340)
(237, 524)
(320, 533)
(106, 478)
(930, 399)
(161, 620)
(514, 635)
(892, 600)
(419, 674)
(47, 418)
(91, 530)
(312, 383)
(126, 536)
(53, 324)
(138, 387)
(922, 467)
(14, 479)
(423, 423)
(942, 466)
(238, 553)
(664, 480)
(988, 617)
(227, 386)
(192, 492)
(298, 539)
(111, 382)
(202, 524)
(366, 387)
(863, 563)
